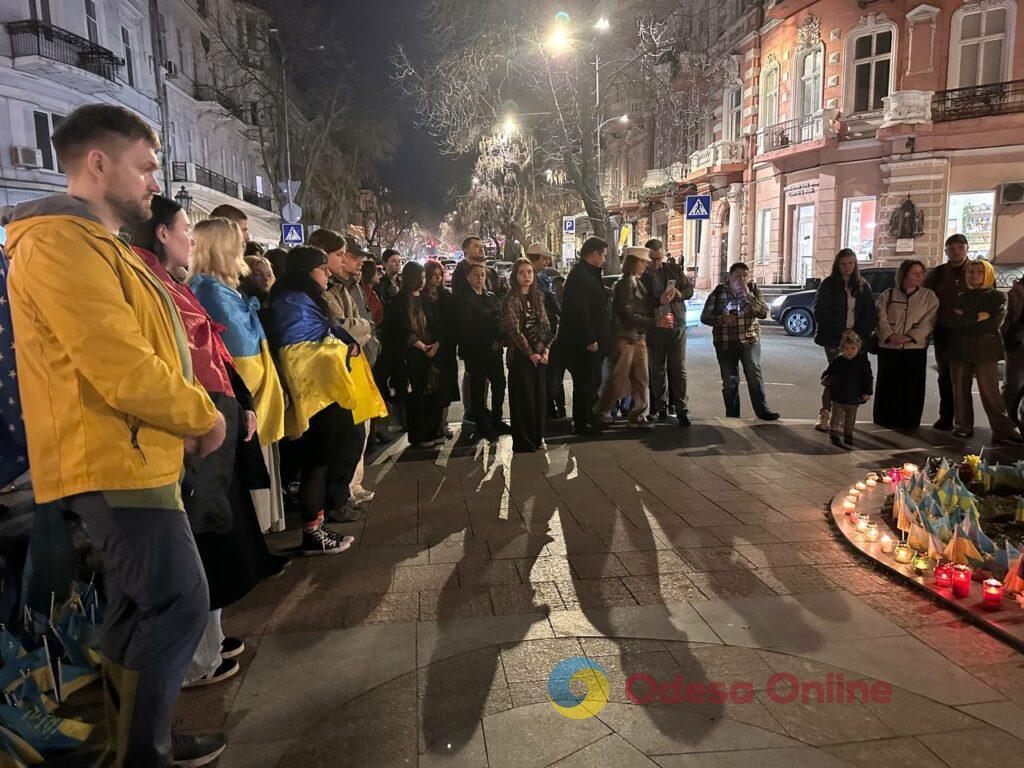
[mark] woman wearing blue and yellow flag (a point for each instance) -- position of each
(216, 269)
(328, 382)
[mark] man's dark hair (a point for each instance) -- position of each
(327, 240)
(592, 245)
(228, 212)
(654, 244)
(253, 249)
(388, 253)
(94, 124)
(469, 240)
(957, 238)
(738, 265)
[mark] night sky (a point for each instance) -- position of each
(419, 175)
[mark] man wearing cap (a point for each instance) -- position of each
(667, 291)
(631, 320)
(542, 258)
(947, 281)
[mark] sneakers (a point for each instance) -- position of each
(641, 422)
(228, 668)
(663, 414)
(822, 425)
(362, 495)
(231, 647)
(321, 541)
(349, 512)
(195, 751)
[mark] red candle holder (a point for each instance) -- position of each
(961, 580)
(944, 576)
(992, 593)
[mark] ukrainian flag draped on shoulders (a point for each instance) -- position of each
(247, 343)
(316, 365)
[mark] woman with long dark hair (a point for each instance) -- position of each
(215, 489)
(528, 333)
(843, 302)
(413, 331)
(329, 384)
(906, 318)
(440, 301)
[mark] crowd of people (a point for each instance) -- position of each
(185, 370)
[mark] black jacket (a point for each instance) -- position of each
(830, 312)
(847, 379)
(479, 321)
(631, 315)
(656, 281)
(460, 283)
(584, 318)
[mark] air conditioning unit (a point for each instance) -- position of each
(27, 157)
(171, 69)
(1012, 192)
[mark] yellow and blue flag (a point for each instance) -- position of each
(317, 367)
(247, 344)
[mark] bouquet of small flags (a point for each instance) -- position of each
(34, 683)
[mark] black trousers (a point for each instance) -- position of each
(585, 369)
(423, 412)
(527, 397)
(556, 383)
(483, 369)
(345, 455)
(157, 608)
(946, 407)
(900, 388)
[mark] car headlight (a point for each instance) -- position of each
(779, 301)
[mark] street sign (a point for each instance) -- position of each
(569, 225)
(698, 207)
(568, 251)
(291, 213)
(283, 186)
(292, 234)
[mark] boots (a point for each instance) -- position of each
(822, 425)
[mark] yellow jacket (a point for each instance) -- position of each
(103, 363)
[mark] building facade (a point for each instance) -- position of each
(879, 126)
(58, 54)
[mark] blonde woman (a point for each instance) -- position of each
(214, 275)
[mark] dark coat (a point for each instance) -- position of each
(830, 311)
(974, 341)
(847, 380)
(479, 320)
(584, 318)
(409, 369)
(444, 307)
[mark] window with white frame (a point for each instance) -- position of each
(733, 112)
(859, 226)
(809, 71)
(764, 235)
(769, 96)
(871, 69)
(92, 26)
(981, 44)
(44, 124)
(129, 58)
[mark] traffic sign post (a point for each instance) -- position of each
(698, 207)
(568, 225)
(291, 213)
(293, 234)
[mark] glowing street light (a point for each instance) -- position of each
(559, 41)
(602, 24)
(624, 119)
(509, 126)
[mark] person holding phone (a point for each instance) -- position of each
(667, 289)
(733, 310)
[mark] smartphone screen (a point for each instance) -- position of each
(671, 284)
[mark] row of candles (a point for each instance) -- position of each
(956, 578)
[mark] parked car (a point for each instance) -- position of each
(503, 268)
(795, 311)
(449, 269)
(694, 306)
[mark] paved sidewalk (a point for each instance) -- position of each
(703, 553)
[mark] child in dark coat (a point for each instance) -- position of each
(849, 381)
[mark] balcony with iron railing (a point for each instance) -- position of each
(796, 132)
(191, 172)
(255, 198)
(207, 92)
(33, 38)
(978, 101)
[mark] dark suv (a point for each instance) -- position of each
(795, 311)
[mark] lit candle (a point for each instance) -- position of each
(873, 476)
(920, 563)
(903, 553)
(992, 593)
(862, 522)
(861, 486)
(909, 469)
(887, 543)
(854, 491)
(871, 532)
(871, 482)
(851, 499)
(849, 506)
(961, 580)
(943, 575)
(886, 479)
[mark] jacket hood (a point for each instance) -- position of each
(19, 219)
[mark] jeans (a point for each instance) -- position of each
(158, 606)
(842, 416)
(729, 360)
(666, 353)
(207, 656)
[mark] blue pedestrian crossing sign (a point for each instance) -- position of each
(698, 207)
(293, 234)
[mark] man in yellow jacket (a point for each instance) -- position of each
(110, 407)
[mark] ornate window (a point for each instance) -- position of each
(809, 71)
(981, 43)
(769, 112)
(733, 119)
(870, 52)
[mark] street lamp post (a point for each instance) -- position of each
(284, 106)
